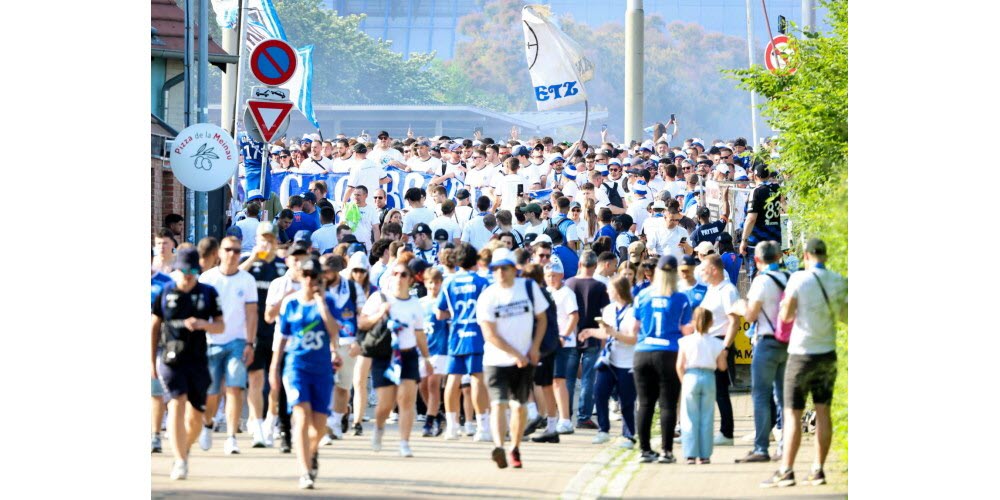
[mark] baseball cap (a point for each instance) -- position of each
(635, 171)
(360, 148)
(743, 178)
(186, 259)
(355, 248)
(635, 251)
(254, 194)
(688, 261)
(575, 204)
(530, 238)
(357, 261)
(554, 267)
(816, 246)
(300, 248)
(463, 194)
(659, 205)
(424, 143)
(303, 235)
(383, 134)
(305, 140)
(418, 265)
(265, 228)
(308, 196)
(645, 149)
(349, 238)
(502, 257)
(543, 238)
(276, 149)
(311, 267)
(235, 231)
(704, 247)
(667, 263)
(762, 171)
(520, 151)
(531, 207)
(557, 158)
(454, 147)
(441, 235)
(421, 228)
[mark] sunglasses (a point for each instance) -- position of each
(191, 272)
(380, 197)
(231, 250)
(576, 210)
(401, 275)
(544, 255)
(614, 170)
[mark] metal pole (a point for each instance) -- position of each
(202, 197)
(808, 15)
(753, 95)
(189, 196)
(633, 70)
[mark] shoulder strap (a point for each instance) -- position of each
(353, 291)
(531, 295)
(833, 317)
(778, 282)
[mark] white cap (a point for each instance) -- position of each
(358, 261)
(659, 205)
(543, 238)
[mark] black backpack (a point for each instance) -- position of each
(614, 197)
(550, 342)
(377, 341)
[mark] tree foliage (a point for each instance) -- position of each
(809, 109)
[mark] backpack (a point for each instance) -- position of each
(376, 342)
(614, 197)
(631, 239)
(550, 342)
(783, 332)
(562, 229)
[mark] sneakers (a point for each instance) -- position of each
(779, 480)
(816, 478)
(615, 417)
(230, 447)
(420, 418)
(156, 445)
(267, 432)
(626, 443)
(587, 424)
(754, 457)
(180, 470)
(548, 437)
(205, 438)
(358, 430)
(533, 426)
(286, 442)
(404, 449)
(601, 438)
(306, 482)
(667, 458)
(428, 431)
(326, 440)
(344, 425)
(393, 418)
(258, 437)
(377, 440)
(451, 433)
(515, 458)
(648, 457)
(564, 427)
(438, 428)
(499, 457)
(470, 429)
(482, 436)
(721, 440)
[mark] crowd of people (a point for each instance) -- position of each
(488, 315)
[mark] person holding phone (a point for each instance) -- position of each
(307, 321)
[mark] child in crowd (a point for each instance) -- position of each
(699, 356)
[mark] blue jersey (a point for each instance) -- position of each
(569, 260)
(696, 294)
(732, 262)
(254, 156)
(707, 232)
(436, 330)
(660, 319)
(309, 348)
(160, 280)
(459, 297)
(638, 287)
(302, 221)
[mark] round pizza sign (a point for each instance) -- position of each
(203, 157)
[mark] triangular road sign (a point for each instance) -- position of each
(269, 116)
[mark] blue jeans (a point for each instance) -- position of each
(225, 363)
(607, 379)
(767, 374)
(698, 393)
(588, 357)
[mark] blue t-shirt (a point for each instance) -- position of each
(302, 221)
(607, 230)
(309, 348)
(707, 232)
(569, 260)
(732, 262)
(563, 223)
(696, 294)
(660, 319)
(160, 280)
(458, 296)
(638, 287)
(436, 330)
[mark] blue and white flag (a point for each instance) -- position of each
(263, 24)
(555, 62)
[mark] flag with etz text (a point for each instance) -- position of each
(556, 63)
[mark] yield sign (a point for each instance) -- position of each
(269, 116)
(776, 54)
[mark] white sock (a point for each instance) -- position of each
(260, 425)
(337, 417)
(532, 411)
(452, 419)
(484, 421)
(551, 424)
(564, 421)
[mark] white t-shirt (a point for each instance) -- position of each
(721, 300)
(407, 311)
(570, 189)
(235, 292)
(416, 216)
(637, 210)
(365, 173)
(275, 295)
(369, 219)
(248, 228)
(700, 351)
(382, 157)
(513, 316)
(342, 165)
(479, 178)
(655, 186)
(665, 241)
(508, 186)
(532, 174)
(448, 224)
(431, 166)
(463, 214)
(539, 229)
(763, 289)
(566, 304)
(815, 331)
(476, 234)
(622, 353)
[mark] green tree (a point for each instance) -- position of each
(809, 108)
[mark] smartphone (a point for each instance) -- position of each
(684, 240)
(671, 117)
(604, 127)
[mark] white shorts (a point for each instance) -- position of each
(438, 361)
(344, 378)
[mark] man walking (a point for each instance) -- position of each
(591, 297)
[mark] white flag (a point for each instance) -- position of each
(556, 63)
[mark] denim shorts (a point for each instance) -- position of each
(226, 362)
(562, 360)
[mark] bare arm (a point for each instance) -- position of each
(155, 338)
(753, 311)
(734, 326)
(366, 322)
(748, 224)
(681, 363)
(721, 363)
(251, 313)
(788, 306)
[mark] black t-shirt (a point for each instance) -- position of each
(264, 273)
(764, 202)
(174, 306)
(591, 297)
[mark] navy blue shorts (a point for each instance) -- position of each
(186, 379)
(562, 359)
(545, 370)
(410, 369)
(465, 364)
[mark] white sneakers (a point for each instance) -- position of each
(257, 431)
(326, 440)
(205, 438)
(180, 470)
(625, 443)
(483, 435)
(393, 418)
(267, 432)
(404, 449)
(470, 429)
(721, 440)
(601, 438)
(451, 433)
(377, 440)
(564, 427)
(306, 482)
(230, 448)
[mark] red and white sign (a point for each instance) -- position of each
(777, 53)
(270, 117)
(273, 62)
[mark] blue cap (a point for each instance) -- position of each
(645, 149)
(557, 158)
(667, 262)
(742, 178)
(640, 187)
(355, 248)
(235, 231)
(453, 147)
(424, 143)
(305, 140)
(186, 259)
(309, 196)
(254, 194)
(303, 235)
(520, 151)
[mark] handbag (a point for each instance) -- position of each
(376, 342)
(783, 332)
(172, 352)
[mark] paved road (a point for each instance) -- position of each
(462, 469)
